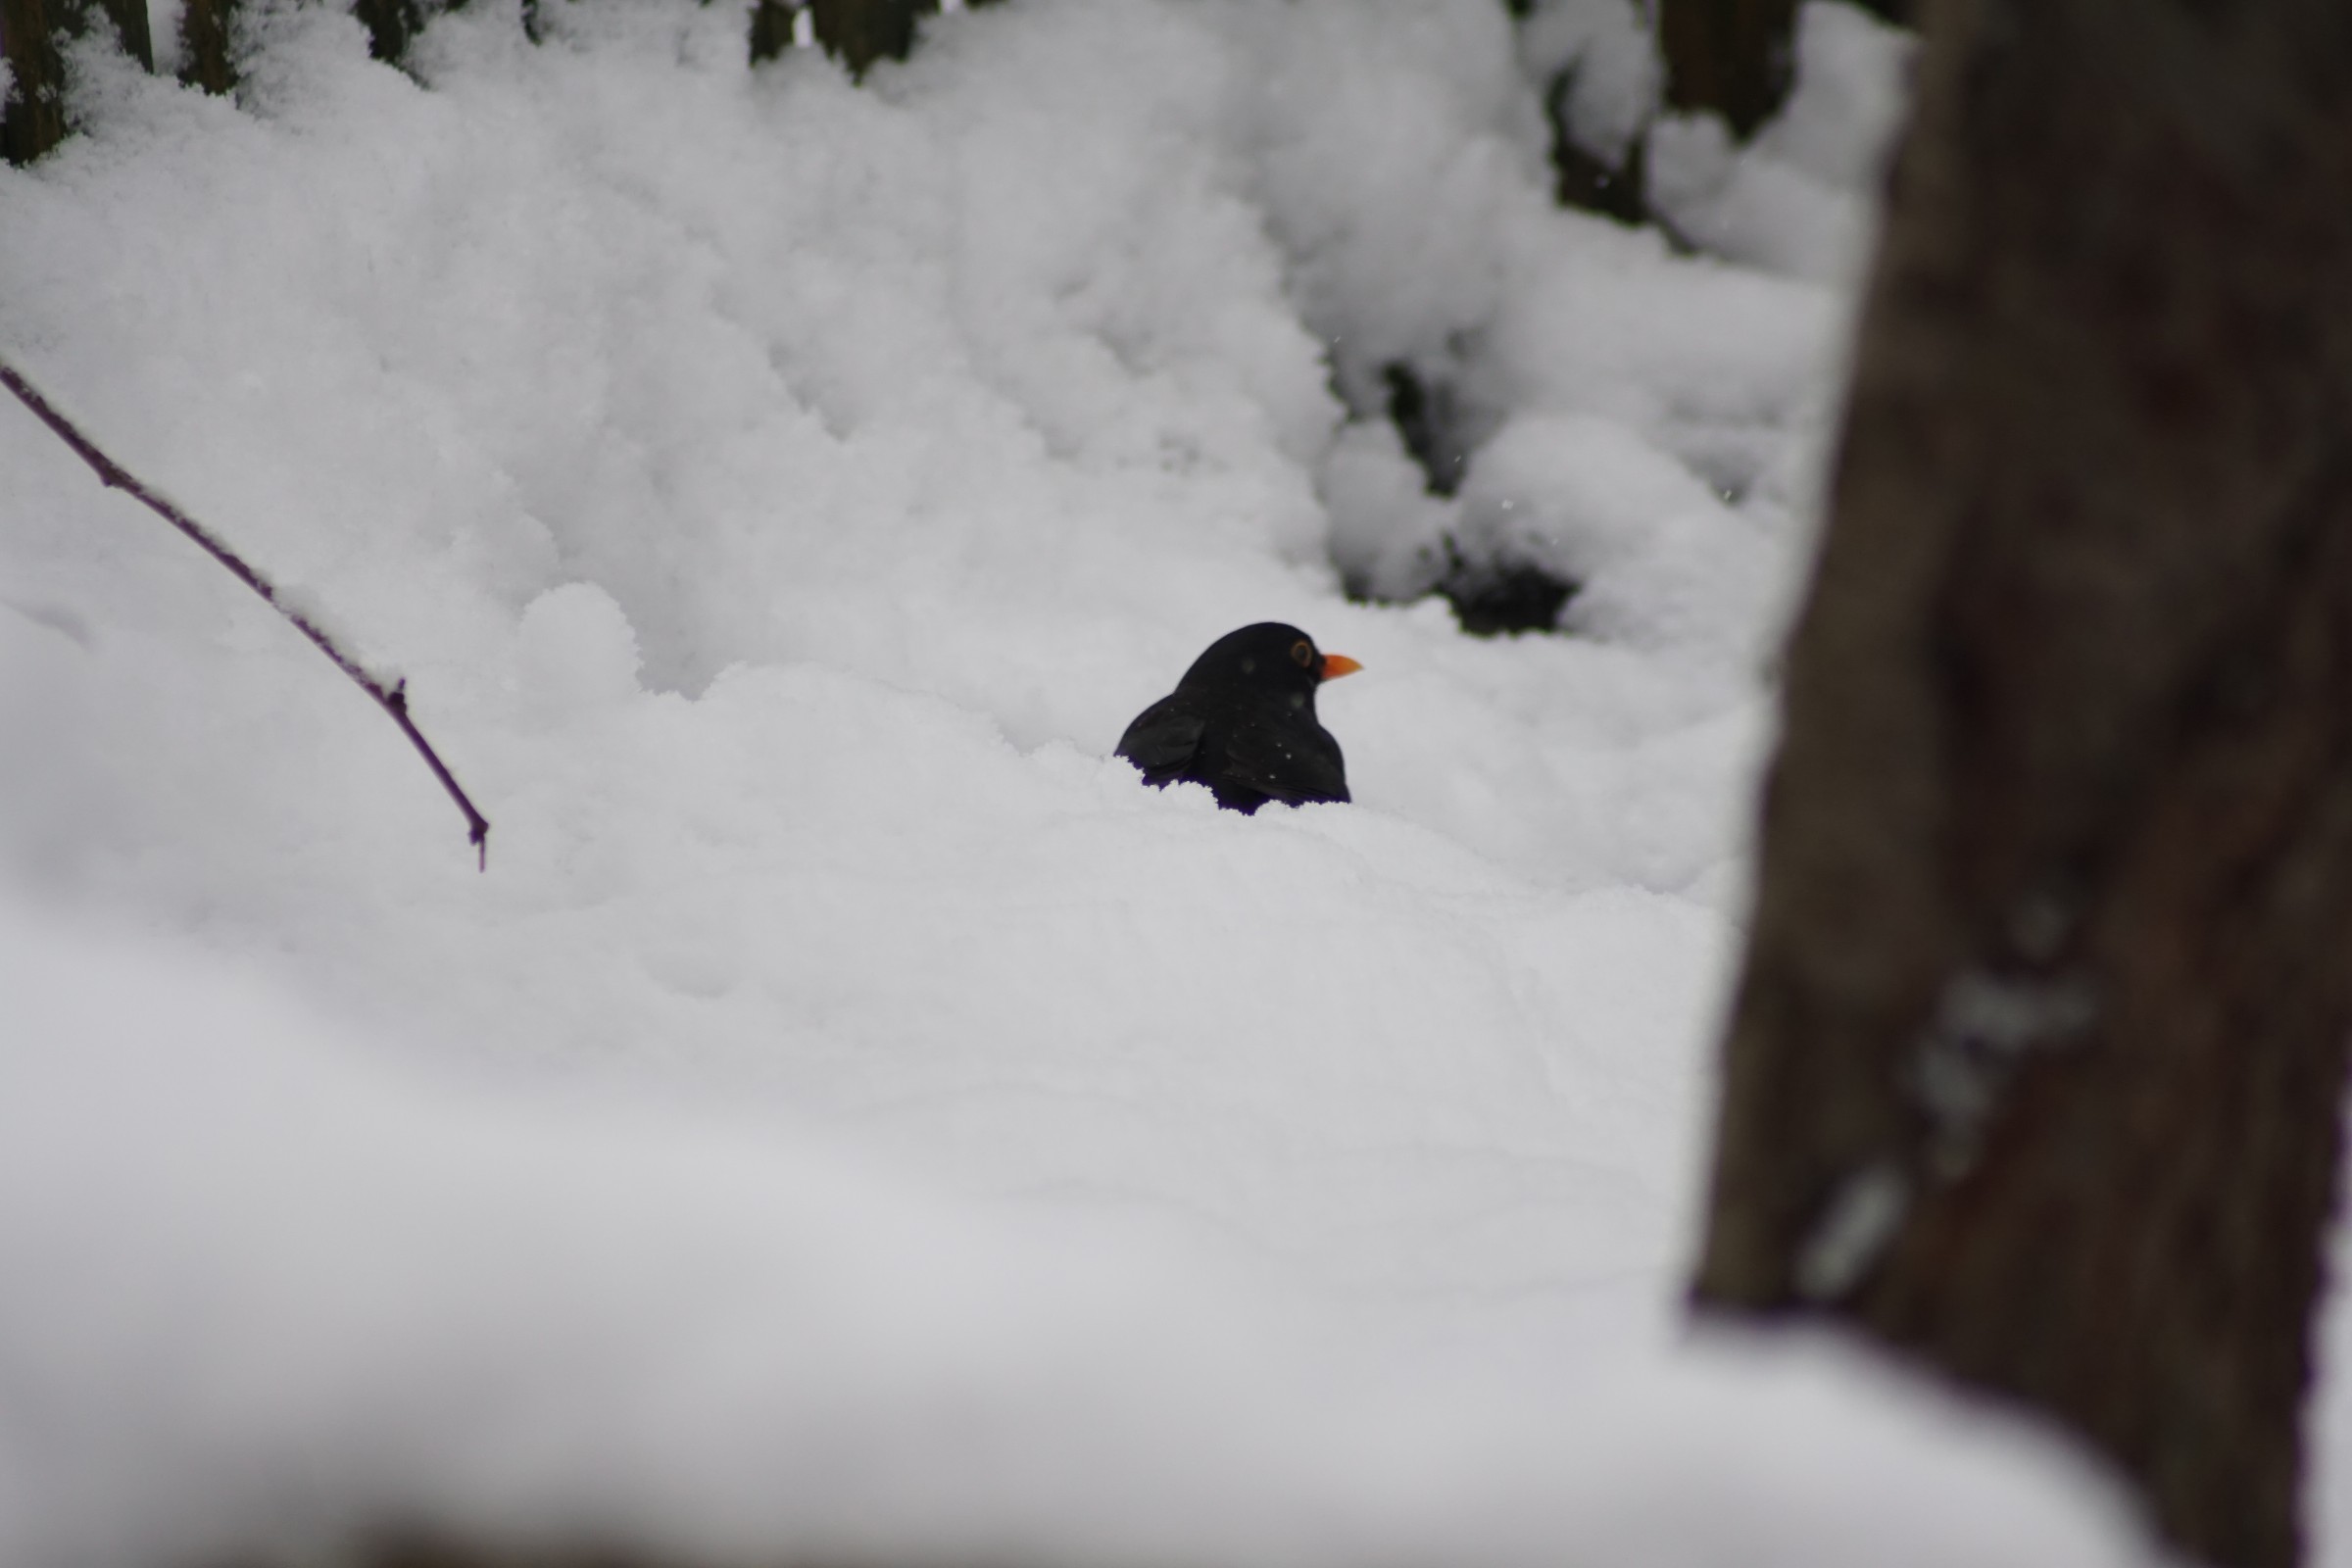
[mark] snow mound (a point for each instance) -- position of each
(266, 1281)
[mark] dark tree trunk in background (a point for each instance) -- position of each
(35, 117)
(34, 120)
(858, 32)
(204, 45)
(1733, 57)
(129, 18)
(2038, 1059)
(391, 24)
(1614, 187)
(771, 29)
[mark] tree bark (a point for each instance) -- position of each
(770, 29)
(129, 18)
(391, 25)
(204, 45)
(858, 32)
(34, 120)
(1731, 57)
(2038, 1058)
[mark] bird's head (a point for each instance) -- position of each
(1267, 656)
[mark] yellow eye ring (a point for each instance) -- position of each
(1303, 654)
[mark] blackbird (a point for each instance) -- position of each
(1243, 722)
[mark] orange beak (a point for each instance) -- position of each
(1337, 665)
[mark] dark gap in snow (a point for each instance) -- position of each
(1426, 418)
(1585, 179)
(1493, 591)
(1735, 61)
(861, 32)
(771, 29)
(391, 27)
(1500, 594)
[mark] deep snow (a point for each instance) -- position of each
(852, 1113)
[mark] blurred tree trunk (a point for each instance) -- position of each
(771, 29)
(2038, 1058)
(129, 18)
(35, 117)
(204, 45)
(391, 24)
(1733, 57)
(858, 32)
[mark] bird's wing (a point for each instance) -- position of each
(1291, 762)
(1162, 740)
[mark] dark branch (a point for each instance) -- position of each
(392, 699)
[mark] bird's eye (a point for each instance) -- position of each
(1302, 653)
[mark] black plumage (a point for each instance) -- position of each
(1243, 722)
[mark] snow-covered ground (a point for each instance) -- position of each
(853, 1116)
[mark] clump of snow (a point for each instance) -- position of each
(852, 1112)
(575, 650)
(1662, 560)
(1413, 198)
(1386, 529)
(1800, 198)
(1840, 123)
(163, 34)
(1606, 59)
(1851, 1234)
(1986, 1022)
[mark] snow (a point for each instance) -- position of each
(1611, 65)
(1985, 1023)
(262, 1275)
(1796, 199)
(1852, 1230)
(851, 1114)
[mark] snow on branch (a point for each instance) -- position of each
(393, 697)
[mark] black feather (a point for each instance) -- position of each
(1163, 739)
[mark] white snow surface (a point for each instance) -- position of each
(853, 1117)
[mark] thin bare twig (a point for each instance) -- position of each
(392, 699)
